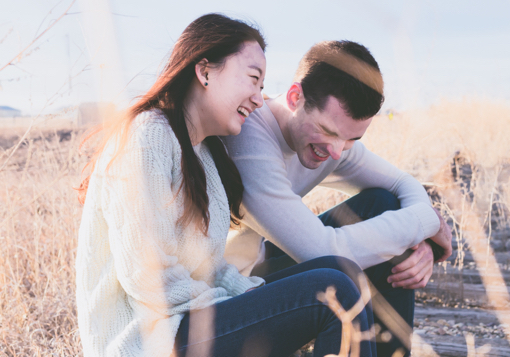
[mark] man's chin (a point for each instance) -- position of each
(310, 164)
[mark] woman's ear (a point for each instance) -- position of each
(201, 71)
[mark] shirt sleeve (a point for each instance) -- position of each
(360, 169)
(274, 211)
(229, 278)
(141, 210)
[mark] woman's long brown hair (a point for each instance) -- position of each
(213, 37)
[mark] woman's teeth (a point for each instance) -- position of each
(244, 112)
(317, 152)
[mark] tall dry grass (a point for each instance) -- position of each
(40, 214)
(461, 152)
(39, 220)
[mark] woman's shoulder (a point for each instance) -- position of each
(150, 135)
(151, 117)
(152, 120)
(151, 128)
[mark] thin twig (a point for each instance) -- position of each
(38, 37)
(489, 217)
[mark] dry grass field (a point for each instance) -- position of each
(459, 150)
(39, 220)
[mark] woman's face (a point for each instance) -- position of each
(233, 91)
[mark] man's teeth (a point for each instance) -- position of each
(318, 153)
(244, 112)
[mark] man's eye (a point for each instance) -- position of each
(257, 78)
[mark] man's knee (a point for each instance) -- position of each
(381, 200)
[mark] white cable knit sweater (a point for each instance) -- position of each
(138, 273)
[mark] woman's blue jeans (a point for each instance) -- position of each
(365, 205)
(279, 317)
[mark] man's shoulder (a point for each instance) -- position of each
(257, 137)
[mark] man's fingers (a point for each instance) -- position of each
(422, 282)
(410, 273)
(415, 272)
(417, 281)
(409, 281)
(413, 259)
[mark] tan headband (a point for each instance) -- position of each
(351, 65)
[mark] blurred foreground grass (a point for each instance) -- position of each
(460, 150)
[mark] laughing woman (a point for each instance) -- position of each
(151, 278)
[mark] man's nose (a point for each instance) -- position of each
(257, 99)
(335, 150)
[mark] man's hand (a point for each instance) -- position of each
(443, 238)
(415, 271)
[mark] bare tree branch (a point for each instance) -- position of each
(6, 35)
(38, 37)
(45, 17)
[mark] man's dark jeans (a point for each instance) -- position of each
(367, 204)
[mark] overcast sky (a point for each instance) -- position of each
(427, 50)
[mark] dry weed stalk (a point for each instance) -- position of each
(484, 257)
(19, 55)
(472, 351)
(39, 218)
(352, 336)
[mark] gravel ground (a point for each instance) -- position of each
(445, 329)
(441, 327)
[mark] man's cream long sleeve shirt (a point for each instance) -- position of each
(275, 182)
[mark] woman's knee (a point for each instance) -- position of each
(342, 264)
(324, 277)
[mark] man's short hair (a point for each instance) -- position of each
(345, 70)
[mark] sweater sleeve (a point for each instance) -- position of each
(141, 210)
(234, 282)
(274, 211)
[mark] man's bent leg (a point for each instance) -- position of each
(365, 205)
(368, 204)
(401, 300)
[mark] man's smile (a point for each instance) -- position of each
(321, 156)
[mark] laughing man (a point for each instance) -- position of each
(309, 137)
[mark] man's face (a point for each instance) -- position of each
(317, 135)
